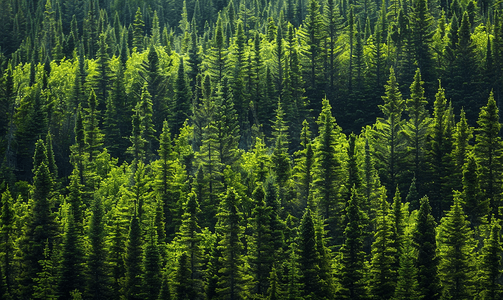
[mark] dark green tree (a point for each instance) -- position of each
(416, 128)
(490, 263)
(151, 277)
(7, 222)
(97, 272)
(424, 241)
(182, 98)
(233, 278)
(133, 260)
(71, 269)
(488, 153)
(352, 269)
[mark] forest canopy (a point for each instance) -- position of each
(251, 149)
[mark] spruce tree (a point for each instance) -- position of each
(352, 268)
(475, 205)
(71, 273)
(462, 136)
(314, 37)
(182, 98)
(97, 272)
(92, 133)
(390, 143)
(151, 277)
(233, 278)
(456, 267)
(138, 31)
(488, 152)
(133, 259)
(308, 258)
(190, 239)
(439, 159)
(45, 280)
(262, 248)
(327, 166)
(424, 241)
(490, 264)
(7, 222)
(382, 272)
(416, 129)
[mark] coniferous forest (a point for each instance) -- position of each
(251, 149)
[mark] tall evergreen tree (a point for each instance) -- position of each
(416, 129)
(424, 240)
(71, 273)
(490, 263)
(133, 259)
(7, 222)
(151, 279)
(327, 166)
(390, 144)
(233, 278)
(351, 275)
(488, 152)
(456, 267)
(97, 284)
(382, 272)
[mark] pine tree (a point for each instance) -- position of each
(183, 289)
(151, 277)
(133, 259)
(382, 272)
(227, 125)
(416, 129)
(488, 153)
(190, 238)
(351, 274)
(422, 32)
(424, 241)
(182, 98)
(138, 31)
(7, 223)
(475, 205)
(145, 110)
(92, 134)
(314, 37)
(490, 263)
(218, 54)
(97, 284)
(232, 280)
(157, 87)
(406, 286)
(303, 165)
(456, 267)
(102, 78)
(439, 159)
(72, 258)
(308, 258)
(327, 166)
(45, 281)
(462, 136)
(262, 248)
(41, 227)
(390, 144)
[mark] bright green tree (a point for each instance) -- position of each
(382, 272)
(456, 267)
(390, 143)
(133, 260)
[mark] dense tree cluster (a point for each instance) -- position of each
(232, 149)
